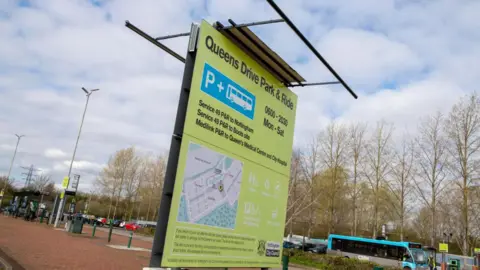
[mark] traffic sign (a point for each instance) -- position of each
(443, 247)
(65, 182)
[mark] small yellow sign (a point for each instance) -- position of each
(62, 194)
(443, 248)
(476, 250)
(65, 182)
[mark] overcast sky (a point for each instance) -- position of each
(405, 59)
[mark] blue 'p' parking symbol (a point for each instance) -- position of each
(222, 88)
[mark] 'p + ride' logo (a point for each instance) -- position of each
(261, 247)
(223, 89)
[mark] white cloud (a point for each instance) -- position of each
(368, 58)
(81, 165)
(54, 153)
(402, 59)
(7, 147)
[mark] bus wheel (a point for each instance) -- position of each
(406, 268)
(346, 257)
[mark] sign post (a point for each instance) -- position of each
(476, 259)
(443, 248)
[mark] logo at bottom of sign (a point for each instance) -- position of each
(273, 249)
(268, 248)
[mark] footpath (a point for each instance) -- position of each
(30, 245)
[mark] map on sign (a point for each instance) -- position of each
(211, 188)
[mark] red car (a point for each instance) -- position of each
(132, 226)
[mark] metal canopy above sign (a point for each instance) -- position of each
(259, 51)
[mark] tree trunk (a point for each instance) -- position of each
(354, 200)
(139, 209)
(465, 219)
(401, 226)
(375, 218)
(434, 225)
(110, 207)
(148, 208)
(115, 210)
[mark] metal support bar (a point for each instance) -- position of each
(170, 173)
(313, 84)
(263, 51)
(173, 36)
(257, 58)
(310, 46)
(152, 40)
(255, 23)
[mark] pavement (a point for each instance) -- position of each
(30, 245)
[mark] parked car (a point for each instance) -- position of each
(101, 221)
(117, 222)
(318, 249)
(122, 224)
(287, 244)
(132, 226)
(305, 246)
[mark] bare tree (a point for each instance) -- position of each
(432, 160)
(295, 198)
(120, 168)
(401, 184)
(5, 182)
(132, 179)
(310, 169)
(463, 129)
(108, 183)
(356, 144)
(155, 177)
(377, 165)
(333, 144)
(41, 182)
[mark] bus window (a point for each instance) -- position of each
(395, 253)
(381, 251)
(336, 244)
(349, 246)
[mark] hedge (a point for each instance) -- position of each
(328, 262)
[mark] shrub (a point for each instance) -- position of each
(328, 262)
(149, 231)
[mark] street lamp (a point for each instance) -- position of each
(64, 199)
(447, 237)
(10, 169)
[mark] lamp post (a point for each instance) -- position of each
(64, 199)
(10, 169)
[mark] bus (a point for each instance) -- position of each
(406, 255)
(238, 97)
